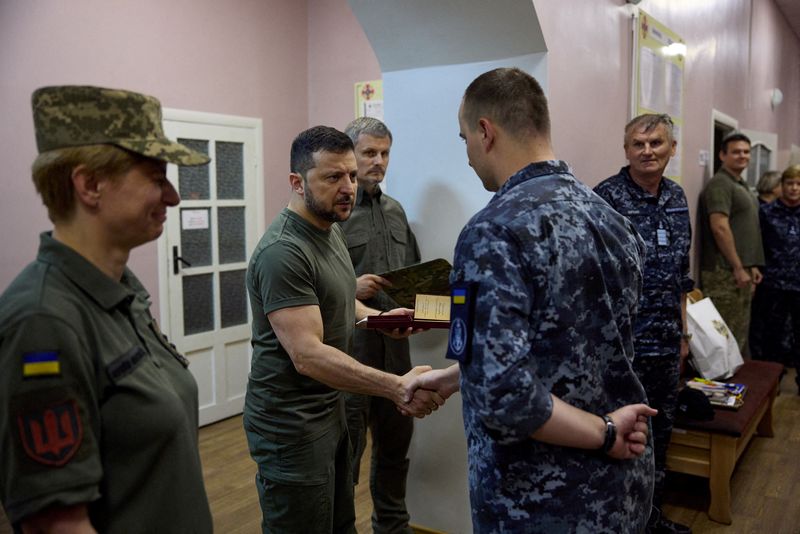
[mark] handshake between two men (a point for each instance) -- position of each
(427, 389)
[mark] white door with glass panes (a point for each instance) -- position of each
(204, 250)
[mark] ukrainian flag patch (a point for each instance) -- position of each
(459, 296)
(462, 299)
(37, 364)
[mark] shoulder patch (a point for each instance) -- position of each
(462, 297)
(41, 363)
(53, 434)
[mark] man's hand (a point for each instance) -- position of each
(756, 275)
(401, 334)
(445, 382)
(368, 285)
(741, 277)
(417, 402)
(631, 422)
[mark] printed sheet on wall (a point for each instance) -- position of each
(659, 56)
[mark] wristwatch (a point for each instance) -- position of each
(611, 434)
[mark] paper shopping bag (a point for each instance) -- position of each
(715, 353)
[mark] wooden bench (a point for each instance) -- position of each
(711, 449)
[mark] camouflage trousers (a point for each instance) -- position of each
(732, 302)
(660, 375)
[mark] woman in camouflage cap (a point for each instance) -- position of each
(99, 411)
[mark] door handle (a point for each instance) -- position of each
(176, 259)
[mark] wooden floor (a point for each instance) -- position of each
(230, 481)
(765, 485)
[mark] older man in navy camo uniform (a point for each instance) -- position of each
(657, 208)
(556, 431)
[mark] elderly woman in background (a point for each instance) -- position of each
(779, 292)
(769, 187)
(98, 412)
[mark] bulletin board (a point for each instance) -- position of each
(369, 99)
(659, 57)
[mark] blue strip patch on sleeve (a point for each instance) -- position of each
(36, 357)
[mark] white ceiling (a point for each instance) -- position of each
(791, 10)
(409, 34)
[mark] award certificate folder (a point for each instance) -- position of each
(428, 278)
(430, 311)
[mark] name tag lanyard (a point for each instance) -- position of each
(662, 235)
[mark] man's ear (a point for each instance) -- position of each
(487, 132)
(87, 187)
(297, 183)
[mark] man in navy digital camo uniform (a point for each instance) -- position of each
(657, 208)
(556, 439)
(780, 289)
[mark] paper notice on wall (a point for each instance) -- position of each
(658, 67)
(374, 109)
(194, 219)
(369, 99)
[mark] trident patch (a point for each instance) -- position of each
(52, 435)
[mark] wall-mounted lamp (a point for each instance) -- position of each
(777, 98)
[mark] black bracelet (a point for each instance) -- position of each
(611, 434)
(381, 313)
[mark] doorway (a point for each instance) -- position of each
(203, 254)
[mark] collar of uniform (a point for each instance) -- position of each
(299, 219)
(362, 197)
(640, 191)
(737, 179)
(780, 204)
(535, 170)
(105, 291)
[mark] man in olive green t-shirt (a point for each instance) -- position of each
(302, 293)
(731, 250)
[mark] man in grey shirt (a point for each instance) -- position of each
(379, 239)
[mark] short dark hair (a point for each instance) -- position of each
(510, 97)
(648, 121)
(367, 126)
(318, 138)
(732, 137)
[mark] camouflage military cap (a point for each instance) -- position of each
(73, 115)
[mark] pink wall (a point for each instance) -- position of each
(339, 55)
(588, 59)
(731, 66)
(240, 57)
(294, 64)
